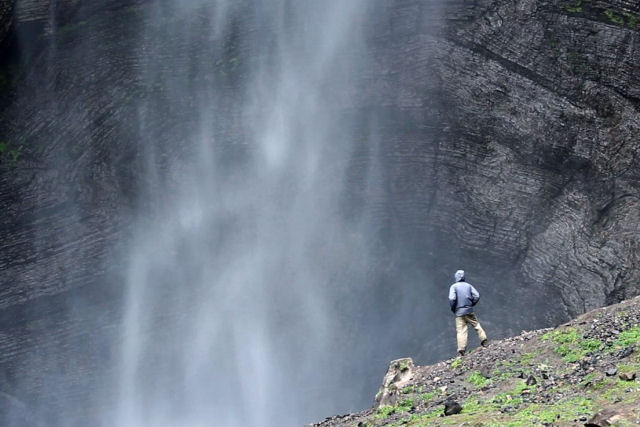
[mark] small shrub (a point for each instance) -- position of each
(588, 378)
(426, 397)
(477, 379)
(590, 344)
(632, 20)
(409, 389)
(613, 17)
(563, 336)
(509, 398)
(629, 337)
(574, 7)
(571, 345)
(526, 358)
(384, 412)
(568, 353)
(521, 387)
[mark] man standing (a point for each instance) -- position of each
(462, 298)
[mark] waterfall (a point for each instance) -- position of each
(249, 251)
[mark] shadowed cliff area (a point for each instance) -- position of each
(495, 136)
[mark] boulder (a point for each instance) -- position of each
(398, 375)
(452, 407)
(606, 417)
(625, 376)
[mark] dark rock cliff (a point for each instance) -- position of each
(533, 168)
(543, 100)
(509, 133)
(6, 17)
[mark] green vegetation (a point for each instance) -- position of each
(420, 420)
(613, 17)
(12, 153)
(629, 337)
(562, 395)
(632, 20)
(599, 385)
(588, 378)
(526, 358)
(456, 364)
(629, 368)
(386, 411)
(562, 412)
(617, 390)
(477, 379)
(573, 7)
(503, 398)
(490, 412)
(477, 406)
(623, 19)
(403, 365)
(426, 397)
(572, 346)
(522, 386)
(412, 389)
(562, 336)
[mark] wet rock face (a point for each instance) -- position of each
(543, 104)
(6, 17)
(62, 12)
(513, 144)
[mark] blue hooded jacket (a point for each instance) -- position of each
(462, 296)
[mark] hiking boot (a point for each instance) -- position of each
(460, 352)
(484, 343)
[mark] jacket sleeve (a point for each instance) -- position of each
(453, 299)
(475, 296)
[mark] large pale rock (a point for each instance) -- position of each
(398, 375)
(606, 417)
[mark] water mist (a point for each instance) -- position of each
(246, 240)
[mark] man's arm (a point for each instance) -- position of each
(453, 298)
(475, 295)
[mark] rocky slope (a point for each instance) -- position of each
(585, 372)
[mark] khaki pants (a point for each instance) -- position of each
(461, 329)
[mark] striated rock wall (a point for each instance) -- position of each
(545, 98)
(511, 133)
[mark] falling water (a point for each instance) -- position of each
(247, 238)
